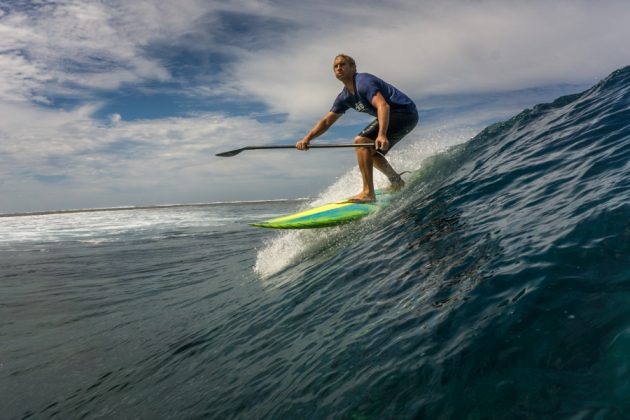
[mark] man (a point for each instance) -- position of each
(395, 113)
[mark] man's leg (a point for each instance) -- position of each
(366, 165)
(380, 163)
(399, 126)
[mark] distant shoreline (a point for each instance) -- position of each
(155, 207)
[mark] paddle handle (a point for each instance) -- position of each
(310, 146)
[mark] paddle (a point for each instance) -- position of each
(311, 146)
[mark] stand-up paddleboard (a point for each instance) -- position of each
(329, 214)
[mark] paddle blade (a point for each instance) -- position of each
(230, 153)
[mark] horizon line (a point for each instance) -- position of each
(150, 207)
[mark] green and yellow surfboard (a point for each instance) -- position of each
(328, 215)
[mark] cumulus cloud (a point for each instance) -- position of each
(442, 48)
(53, 159)
(65, 46)
(280, 52)
(274, 53)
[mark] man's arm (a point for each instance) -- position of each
(382, 112)
(320, 128)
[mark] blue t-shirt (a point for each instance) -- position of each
(365, 86)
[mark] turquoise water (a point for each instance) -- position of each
(498, 286)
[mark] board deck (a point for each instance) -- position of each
(328, 215)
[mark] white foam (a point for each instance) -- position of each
(98, 227)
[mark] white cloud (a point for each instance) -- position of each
(59, 159)
(424, 47)
(52, 159)
(446, 48)
(50, 47)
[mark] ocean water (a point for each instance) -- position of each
(497, 286)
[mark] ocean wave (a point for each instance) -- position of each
(501, 276)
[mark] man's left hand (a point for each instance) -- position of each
(381, 143)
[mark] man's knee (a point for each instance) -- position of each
(360, 140)
(364, 140)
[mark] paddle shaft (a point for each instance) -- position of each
(311, 146)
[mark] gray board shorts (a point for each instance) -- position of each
(400, 124)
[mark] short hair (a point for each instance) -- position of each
(346, 57)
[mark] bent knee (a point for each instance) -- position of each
(361, 140)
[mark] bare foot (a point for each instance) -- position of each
(361, 198)
(397, 184)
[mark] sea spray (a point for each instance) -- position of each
(288, 247)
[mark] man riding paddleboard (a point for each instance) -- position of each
(395, 116)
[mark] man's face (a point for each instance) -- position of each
(343, 69)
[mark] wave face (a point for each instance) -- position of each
(498, 286)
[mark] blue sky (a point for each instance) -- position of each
(113, 103)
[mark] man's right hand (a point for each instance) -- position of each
(302, 144)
